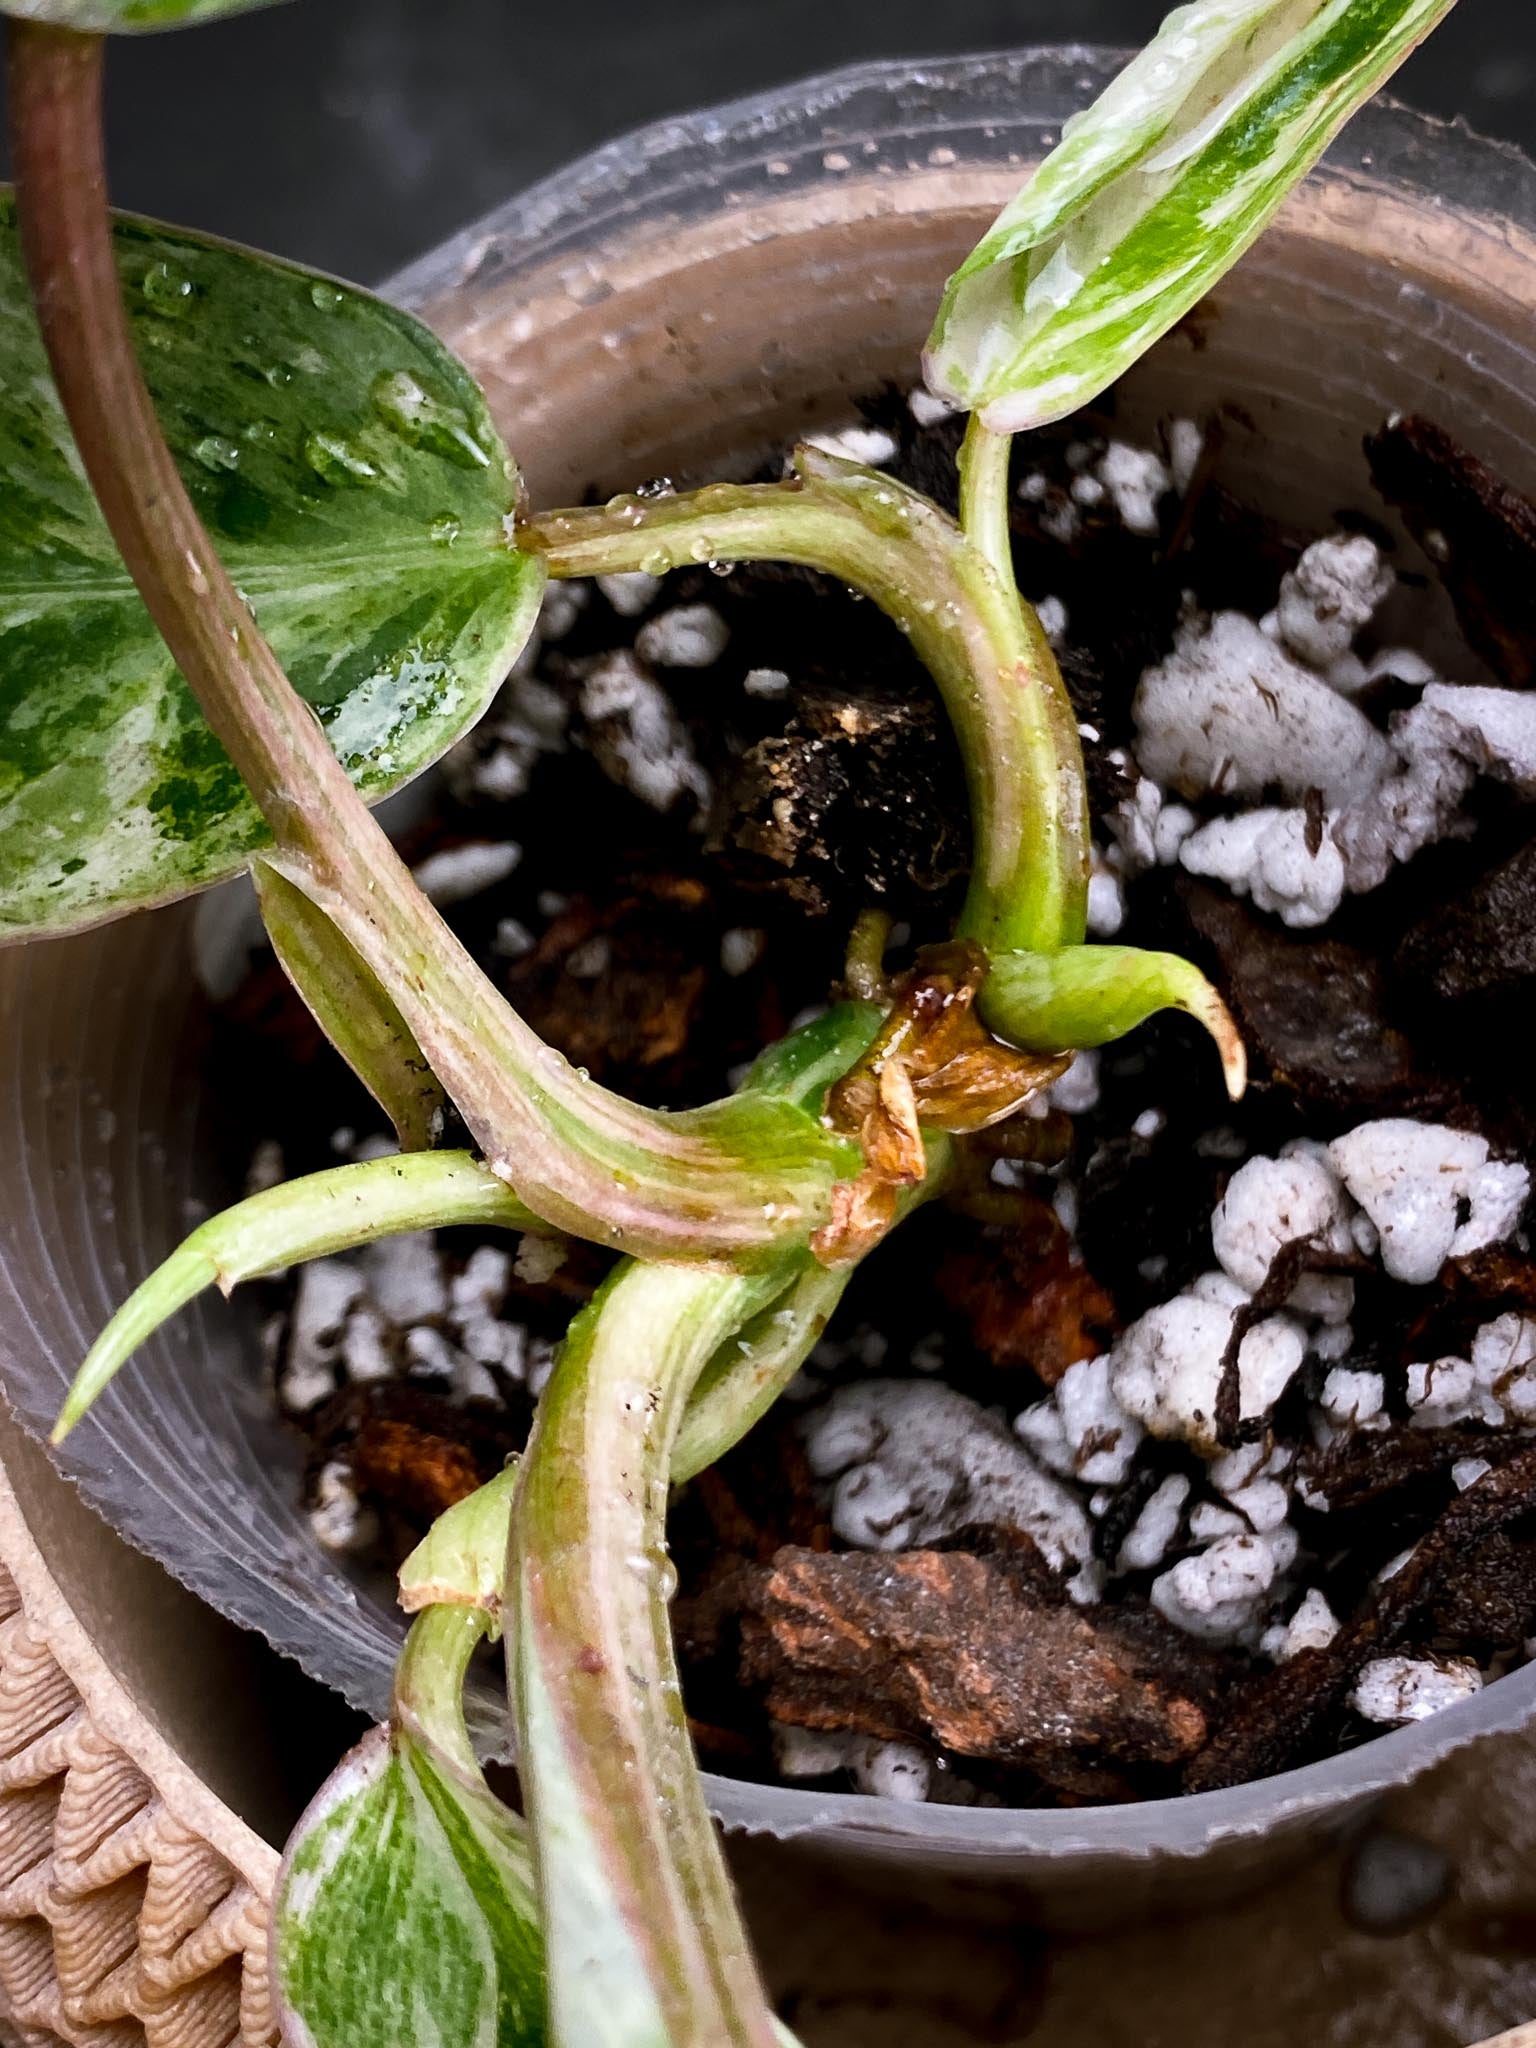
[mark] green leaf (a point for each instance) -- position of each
(354, 485)
(405, 1910)
(1154, 192)
(124, 17)
(353, 1011)
(1090, 995)
(330, 1211)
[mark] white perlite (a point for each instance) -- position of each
(1413, 1180)
(812, 1752)
(1229, 712)
(631, 592)
(1052, 614)
(1395, 1690)
(870, 445)
(1312, 1627)
(327, 1291)
(1147, 829)
(636, 736)
(1354, 1400)
(1166, 1368)
(527, 720)
(404, 1278)
(1269, 1203)
(885, 1770)
(1497, 1384)
(1330, 597)
(1077, 1090)
(765, 682)
(1279, 857)
(1081, 1430)
(926, 408)
(1186, 445)
(337, 1517)
(688, 636)
(1220, 1594)
(893, 1770)
(1106, 900)
(1154, 1529)
(911, 1462)
(1495, 730)
(456, 873)
(1135, 479)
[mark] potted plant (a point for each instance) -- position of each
(600, 1744)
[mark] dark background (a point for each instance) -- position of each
(352, 134)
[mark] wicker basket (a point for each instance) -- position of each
(133, 1899)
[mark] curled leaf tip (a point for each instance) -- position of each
(1085, 996)
(331, 1211)
(462, 1559)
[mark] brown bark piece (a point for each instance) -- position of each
(1478, 531)
(1028, 1299)
(1314, 1010)
(413, 1469)
(618, 987)
(941, 1646)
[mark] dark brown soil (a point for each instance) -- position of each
(665, 950)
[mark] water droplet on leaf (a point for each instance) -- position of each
(337, 461)
(325, 298)
(168, 290)
(446, 528)
(410, 411)
(216, 452)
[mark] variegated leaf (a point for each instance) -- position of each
(1154, 192)
(353, 483)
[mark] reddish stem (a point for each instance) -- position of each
(66, 240)
(583, 1158)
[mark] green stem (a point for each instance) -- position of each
(333, 1211)
(716, 1182)
(984, 458)
(993, 665)
(428, 1700)
(753, 1367)
(644, 1941)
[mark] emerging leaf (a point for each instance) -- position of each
(354, 485)
(330, 1211)
(1090, 995)
(462, 1559)
(351, 1008)
(405, 1908)
(124, 17)
(1154, 192)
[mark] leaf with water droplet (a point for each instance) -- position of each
(332, 521)
(412, 412)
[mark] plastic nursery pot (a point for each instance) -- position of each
(670, 305)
